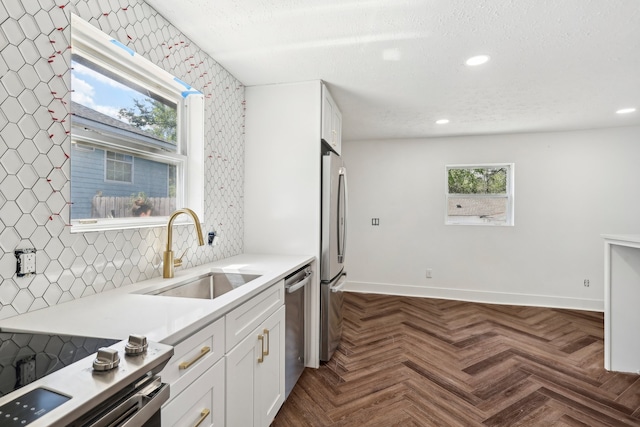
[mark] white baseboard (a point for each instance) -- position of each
(476, 296)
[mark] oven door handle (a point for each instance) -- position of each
(137, 409)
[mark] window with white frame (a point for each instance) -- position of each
(480, 194)
(118, 167)
(137, 137)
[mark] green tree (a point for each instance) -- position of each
(477, 180)
(154, 117)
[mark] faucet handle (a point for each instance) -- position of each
(177, 262)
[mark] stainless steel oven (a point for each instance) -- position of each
(52, 380)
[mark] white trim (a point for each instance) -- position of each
(476, 296)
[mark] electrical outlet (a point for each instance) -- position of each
(586, 283)
(26, 261)
(429, 272)
(26, 371)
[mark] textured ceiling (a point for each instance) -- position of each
(396, 66)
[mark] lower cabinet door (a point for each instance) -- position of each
(202, 403)
(255, 375)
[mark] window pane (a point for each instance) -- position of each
(477, 210)
(133, 185)
(108, 99)
(477, 180)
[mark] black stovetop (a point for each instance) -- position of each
(26, 357)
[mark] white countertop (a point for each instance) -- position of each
(127, 310)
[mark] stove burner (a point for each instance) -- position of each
(26, 357)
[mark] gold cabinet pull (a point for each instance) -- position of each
(203, 416)
(266, 334)
(203, 351)
(261, 357)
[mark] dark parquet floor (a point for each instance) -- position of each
(427, 362)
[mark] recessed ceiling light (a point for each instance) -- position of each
(626, 111)
(442, 121)
(477, 60)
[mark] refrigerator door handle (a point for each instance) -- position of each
(342, 220)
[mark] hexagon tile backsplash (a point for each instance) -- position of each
(35, 146)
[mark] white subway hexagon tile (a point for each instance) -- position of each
(29, 104)
(78, 267)
(9, 239)
(53, 271)
(118, 259)
(118, 278)
(56, 202)
(66, 258)
(14, 8)
(10, 187)
(38, 286)
(56, 178)
(8, 291)
(11, 161)
(55, 225)
(110, 251)
(52, 294)
(43, 69)
(89, 255)
(65, 297)
(29, 51)
(39, 238)
(43, 167)
(12, 83)
(11, 213)
(12, 57)
(99, 283)
(41, 213)
(27, 201)
(12, 31)
(11, 109)
(41, 188)
(26, 226)
(38, 304)
(66, 279)
(28, 153)
(89, 275)
(12, 136)
(54, 248)
(59, 19)
(29, 77)
(23, 301)
(3, 13)
(45, 24)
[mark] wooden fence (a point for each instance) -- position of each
(120, 207)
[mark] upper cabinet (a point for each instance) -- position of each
(331, 121)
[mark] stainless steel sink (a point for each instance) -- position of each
(207, 286)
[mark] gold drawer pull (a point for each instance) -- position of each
(203, 351)
(203, 416)
(266, 334)
(261, 357)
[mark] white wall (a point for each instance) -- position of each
(569, 188)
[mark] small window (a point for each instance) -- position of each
(479, 194)
(119, 167)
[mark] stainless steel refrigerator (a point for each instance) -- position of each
(333, 242)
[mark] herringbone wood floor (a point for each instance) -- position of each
(427, 362)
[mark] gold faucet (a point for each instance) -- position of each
(169, 263)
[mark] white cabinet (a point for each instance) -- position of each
(202, 403)
(622, 294)
(331, 121)
(283, 146)
(255, 373)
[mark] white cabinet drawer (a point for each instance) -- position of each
(244, 319)
(204, 401)
(193, 356)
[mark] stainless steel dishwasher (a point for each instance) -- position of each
(295, 285)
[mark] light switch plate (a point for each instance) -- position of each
(26, 261)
